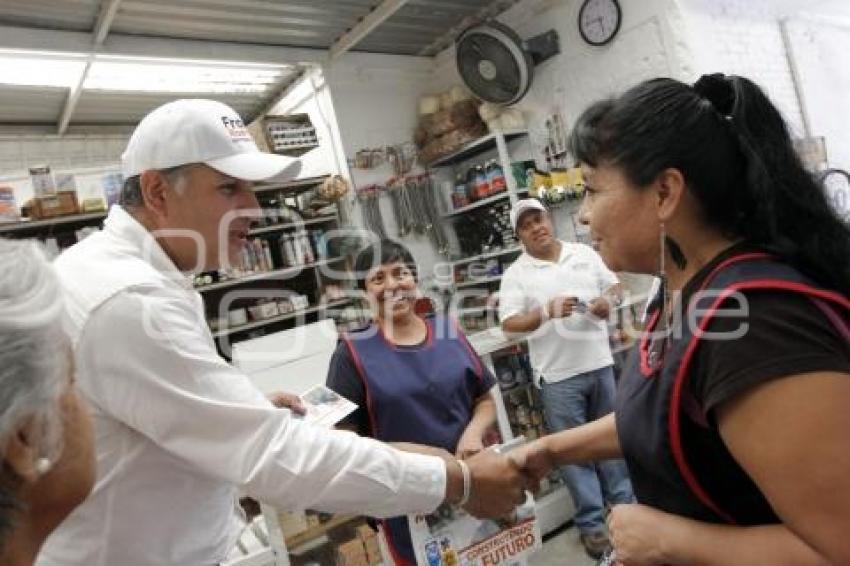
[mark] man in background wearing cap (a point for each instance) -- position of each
(561, 294)
(178, 429)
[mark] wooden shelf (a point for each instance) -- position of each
(480, 203)
(488, 255)
(25, 225)
(285, 225)
(279, 318)
(313, 533)
(266, 275)
(476, 147)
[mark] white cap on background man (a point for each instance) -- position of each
(202, 131)
(522, 206)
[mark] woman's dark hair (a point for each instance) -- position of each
(380, 253)
(735, 152)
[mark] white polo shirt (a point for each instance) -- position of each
(565, 347)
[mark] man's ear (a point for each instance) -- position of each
(154, 186)
(21, 454)
(670, 189)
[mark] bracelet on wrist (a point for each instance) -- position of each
(467, 483)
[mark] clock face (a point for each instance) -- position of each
(599, 21)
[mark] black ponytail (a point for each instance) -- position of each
(735, 152)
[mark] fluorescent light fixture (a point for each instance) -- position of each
(137, 74)
(181, 76)
(41, 68)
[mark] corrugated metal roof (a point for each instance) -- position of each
(76, 15)
(416, 28)
(129, 107)
(31, 105)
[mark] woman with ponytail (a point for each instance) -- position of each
(733, 413)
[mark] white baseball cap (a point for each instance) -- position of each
(524, 205)
(202, 131)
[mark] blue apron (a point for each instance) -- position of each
(423, 394)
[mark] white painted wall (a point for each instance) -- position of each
(820, 48)
(744, 37)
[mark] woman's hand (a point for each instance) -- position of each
(637, 534)
(469, 445)
(289, 401)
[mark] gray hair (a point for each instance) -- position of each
(34, 355)
(131, 192)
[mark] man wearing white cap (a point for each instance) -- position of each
(178, 430)
(561, 294)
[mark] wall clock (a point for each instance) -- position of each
(599, 21)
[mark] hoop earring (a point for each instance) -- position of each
(658, 346)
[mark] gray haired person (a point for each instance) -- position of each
(45, 430)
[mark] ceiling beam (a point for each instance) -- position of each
(108, 10)
(32, 39)
(364, 27)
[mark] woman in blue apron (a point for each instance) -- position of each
(414, 379)
(733, 413)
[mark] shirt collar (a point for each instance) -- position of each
(536, 262)
(120, 224)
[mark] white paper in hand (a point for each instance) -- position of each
(325, 407)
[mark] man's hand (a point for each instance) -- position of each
(561, 307)
(287, 401)
(599, 307)
(498, 485)
(535, 459)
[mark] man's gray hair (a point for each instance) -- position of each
(131, 192)
(34, 354)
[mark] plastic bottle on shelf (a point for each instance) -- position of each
(459, 194)
(471, 184)
(481, 184)
(496, 177)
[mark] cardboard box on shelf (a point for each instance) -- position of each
(351, 553)
(365, 533)
(292, 523)
(373, 551)
(60, 204)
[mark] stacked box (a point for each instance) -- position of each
(352, 553)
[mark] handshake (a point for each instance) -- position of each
(497, 482)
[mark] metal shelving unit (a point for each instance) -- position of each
(25, 225)
(480, 203)
(488, 255)
(279, 318)
(297, 224)
(276, 273)
(477, 147)
(481, 281)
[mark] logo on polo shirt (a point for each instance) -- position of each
(236, 128)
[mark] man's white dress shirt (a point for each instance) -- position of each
(179, 430)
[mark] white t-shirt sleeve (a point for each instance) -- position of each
(512, 296)
(143, 360)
